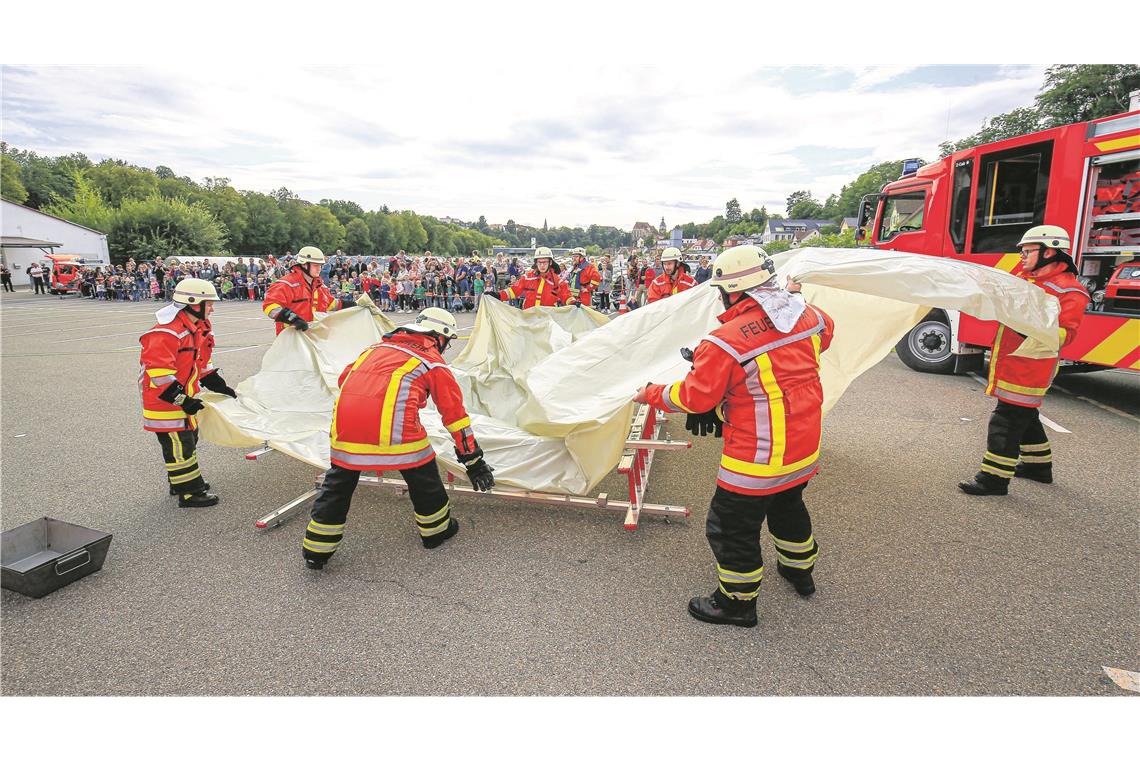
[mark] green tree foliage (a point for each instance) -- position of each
(118, 181)
(801, 205)
(10, 185)
(413, 235)
(357, 238)
(156, 226)
(732, 211)
(86, 206)
(228, 207)
(344, 211)
(870, 181)
(321, 229)
(1081, 92)
(1019, 121)
(45, 178)
(266, 230)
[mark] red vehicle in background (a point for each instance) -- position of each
(974, 206)
(65, 272)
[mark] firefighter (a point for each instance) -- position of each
(294, 300)
(674, 277)
(584, 279)
(376, 426)
(1016, 444)
(176, 364)
(755, 380)
(541, 286)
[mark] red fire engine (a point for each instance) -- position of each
(65, 272)
(974, 206)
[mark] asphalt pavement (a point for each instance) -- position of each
(922, 589)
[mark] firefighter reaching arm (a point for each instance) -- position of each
(756, 379)
(295, 299)
(376, 426)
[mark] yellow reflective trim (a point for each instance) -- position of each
(675, 397)
(458, 425)
(743, 596)
(436, 516)
(816, 343)
(511, 295)
(270, 307)
(1037, 458)
(733, 575)
(1007, 262)
(800, 564)
(1000, 459)
(386, 421)
(161, 372)
(177, 479)
(425, 532)
(152, 414)
(541, 285)
(372, 448)
(319, 546)
(1117, 345)
(775, 409)
(1027, 390)
(1036, 446)
(765, 470)
(325, 531)
(994, 361)
(182, 465)
(1132, 141)
(177, 445)
(995, 471)
(792, 546)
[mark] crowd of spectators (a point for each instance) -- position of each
(399, 283)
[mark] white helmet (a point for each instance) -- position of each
(1048, 235)
(542, 252)
(194, 291)
(310, 254)
(434, 320)
(670, 254)
(579, 251)
(742, 267)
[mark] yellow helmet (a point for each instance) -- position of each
(742, 267)
(670, 254)
(310, 254)
(1048, 235)
(434, 320)
(193, 291)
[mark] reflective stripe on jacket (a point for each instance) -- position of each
(538, 290)
(1023, 381)
(664, 286)
(765, 385)
(178, 351)
(376, 420)
(582, 284)
(293, 292)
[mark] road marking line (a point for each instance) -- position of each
(1044, 420)
(1105, 407)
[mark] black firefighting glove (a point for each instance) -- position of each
(214, 382)
(175, 393)
(292, 319)
(478, 471)
(494, 294)
(705, 423)
(687, 355)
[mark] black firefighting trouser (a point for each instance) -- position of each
(330, 511)
(733, 531)
(179, 451)
(1016, 431)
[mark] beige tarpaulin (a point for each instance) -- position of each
(549, 389)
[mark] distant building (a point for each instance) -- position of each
(27, 235)
(453, 220)
(643, 230)
(786, 229)
(848, 223)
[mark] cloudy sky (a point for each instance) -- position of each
(574, 145)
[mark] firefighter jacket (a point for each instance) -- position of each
(177, 351)
(664, 286)
(376, 420)
(583, 282)
(538, 290)
(1023, 381)
(293, 292)
(765, 385)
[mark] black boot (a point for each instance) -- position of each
(205, 485)
(315, 563)
(430, 542)
(721, 610)
(985, 484)
(802, 581)
(197, 499)
(1042, 473)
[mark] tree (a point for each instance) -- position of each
(357, 238)
(344, 211)
(322, 228)
(10, 185)
(119, 181)
(267, 230)
(86, 207)
(156, 226)
(1081, 92)
(414, 235)
(870, 181)
(46, 179)
(164, 172)
(732, 211)
(228, 207)
(807, 206)
(1019, 121)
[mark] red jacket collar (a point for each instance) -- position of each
(421, 343)
(745, 304)
(1046, 271)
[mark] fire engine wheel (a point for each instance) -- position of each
(926, 348)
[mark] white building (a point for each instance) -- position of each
(27, 235)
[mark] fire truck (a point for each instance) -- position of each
(64, 272)
(975, 204)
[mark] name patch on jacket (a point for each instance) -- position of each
(757, 327)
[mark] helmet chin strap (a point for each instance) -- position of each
(198, 312)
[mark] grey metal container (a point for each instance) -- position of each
(46, 554)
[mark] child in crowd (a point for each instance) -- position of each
(154, 288)
(420, 294)
(479, 285)
(386, 293)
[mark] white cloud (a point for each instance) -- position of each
(571, 144)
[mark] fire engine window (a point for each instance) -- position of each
(1011, 196)
(960, 207)
(901, 213)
